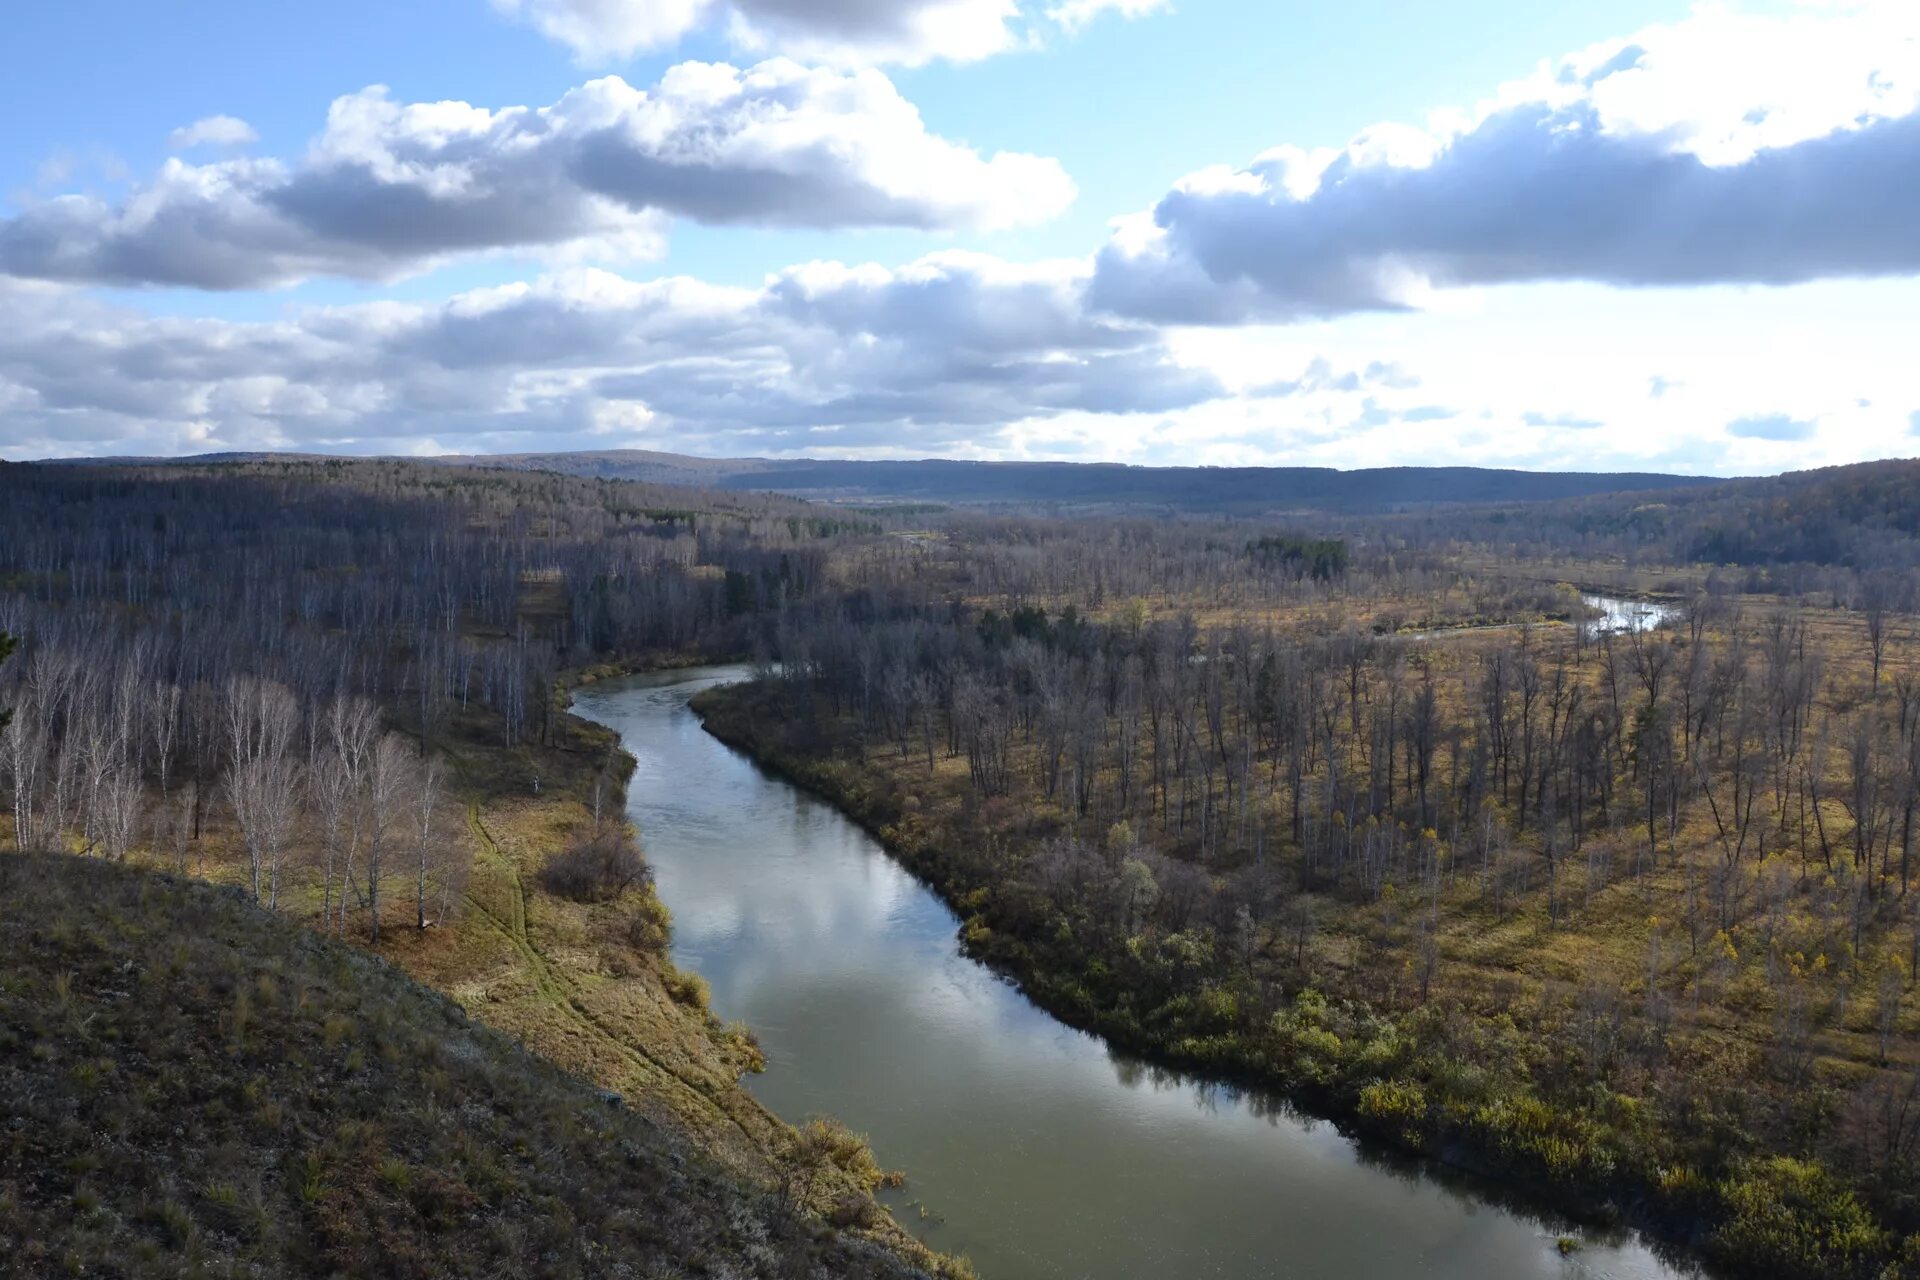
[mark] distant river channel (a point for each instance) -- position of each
(1037, 1151)
(1617, 615)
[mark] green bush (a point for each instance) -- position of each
(1795, 1218)
(687, 988)
(650, 927)
(1395, 1100)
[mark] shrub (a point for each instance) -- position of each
(598, 868)
(1400, 1104)
(1218, 1009)
(1310, 1007)
(823, 1141)
(1795, 1218)
(650, 927)
(1400, 1100)
(1316, 1054)
(850, 1210)
(689, 989)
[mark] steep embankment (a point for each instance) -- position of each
(192, 1085)
(588, 985)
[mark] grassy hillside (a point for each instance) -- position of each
(195, 1086)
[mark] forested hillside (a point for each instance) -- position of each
(1247, 491)
(337, 688)
(1066, 486)
(1863, 518)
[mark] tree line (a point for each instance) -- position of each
(1179, 831)
(283, 648)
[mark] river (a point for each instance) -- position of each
(1038, 1152)
(1611, 615)
(1619, 616)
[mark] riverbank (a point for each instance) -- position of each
(1443, 1081)
(1040, 1150)
(588, 986)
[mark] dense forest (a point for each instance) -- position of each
(1360, 808)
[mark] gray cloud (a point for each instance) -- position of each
(391, 188)
(933, 356)
(839, 32)
(1374, 414)
(1320, 375)
(832, 31)
(1773, 426)
(908, 31)
(1533, 192)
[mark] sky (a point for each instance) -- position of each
(1643, 235)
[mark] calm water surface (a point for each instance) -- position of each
(1039, 1153)
(1617, 615)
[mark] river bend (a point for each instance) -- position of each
(1041, 1154)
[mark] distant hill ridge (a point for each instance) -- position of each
(1862, 516)
(1077, 485)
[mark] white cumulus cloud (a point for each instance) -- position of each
(215, 131)
(921, 358)
(388, 187)
(1723, 148)
(859, 32)
(832, 32)
(602, 31)
(1073, 15)
(838, 32)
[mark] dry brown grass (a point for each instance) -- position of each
(200, 1088)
